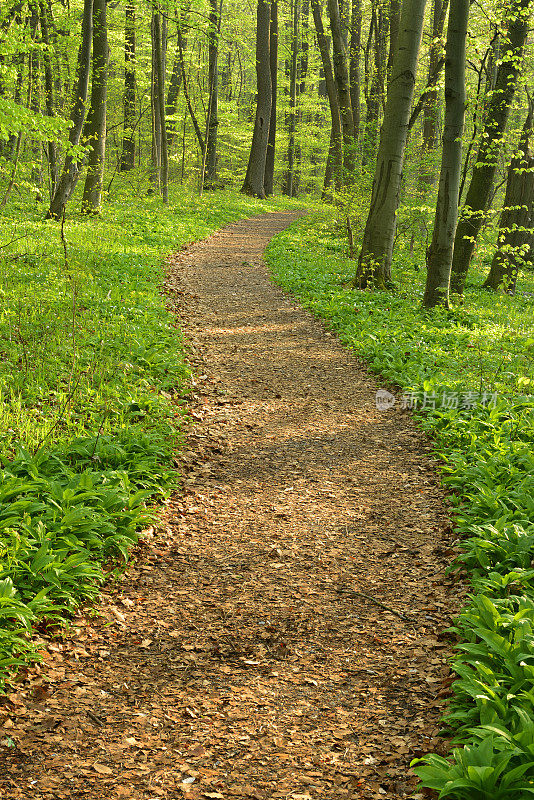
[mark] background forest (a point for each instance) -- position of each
(128, 130)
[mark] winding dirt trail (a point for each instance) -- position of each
(253, 651)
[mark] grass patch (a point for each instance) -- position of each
(469, 375)
(92, 371)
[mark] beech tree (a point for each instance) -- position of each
(255, 176)
(95, 126)
(341, 75)
(440, 253)
(374, 265)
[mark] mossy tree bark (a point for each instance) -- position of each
(341, 75)
(268, 180)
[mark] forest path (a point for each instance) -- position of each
(237, 657)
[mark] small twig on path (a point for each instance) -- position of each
(358, 593)
(94, 717)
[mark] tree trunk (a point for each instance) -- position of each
(474, 210)
(431, 105)
(34, 91)
(335, 155)
(95, 128)
(517, 216)
(288, 187)
(155, 155)
(268, 181)
(394, 20)
(354, 63)
(341, 74)
(175, 82)
(71, 168)
(374, 266)
(159, 90)
(128, 141)
(254, 178)
(440, 253)
(49, 91)
(213, 103)
(375, 98)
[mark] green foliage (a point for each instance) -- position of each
(487, 455)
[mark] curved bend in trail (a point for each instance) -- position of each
(255, 652)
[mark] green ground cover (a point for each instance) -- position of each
(469, 375)
(92, 370)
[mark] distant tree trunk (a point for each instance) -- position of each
(34, 91)
(181, 46)
(341, 74)
(288, 187)
(95, 127)
(213, 103)
(71, 168)
(335, 154)
(374, 266)
(431, 106)
(128, 141)
(48, 90)
(440, 253)
(268, 181)
(474, 210)
(254, 178)
(155, 160)
(175, 82)
(159, 90)
(517, 216)
(354, 63)
(375, 99)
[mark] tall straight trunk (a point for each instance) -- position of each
(478, 195)
(374, 266)
(335, 154)
(128, 141)
(159, 93)
(155, 155)
(440, 254)
(49, 96)
(255, 176)
(394, 20)
(375, 98)
(431, 106)
(341, 74)
(354, 63)
(175, 83)
(71, 168)
(288, 187)
(181, 41)
(213, 103)
(517, 216)
(95, 128)
(268, 181)
(34, 89)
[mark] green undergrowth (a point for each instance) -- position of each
(92, 378)
(469, 376)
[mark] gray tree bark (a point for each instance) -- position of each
(374, 265)
(440, 252)
(71, 168)
(268, 181)
(341, 74)
(95, 127)
(128, 140)
(255, 176)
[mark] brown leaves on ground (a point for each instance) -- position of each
(253, 650)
